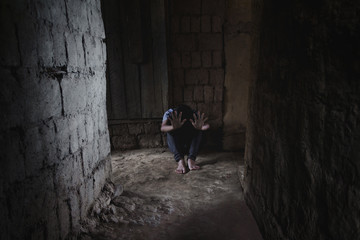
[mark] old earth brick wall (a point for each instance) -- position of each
(136, 134)
(196, 50)
(54, 135)
(302, 177)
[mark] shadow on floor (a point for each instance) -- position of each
(226, 221)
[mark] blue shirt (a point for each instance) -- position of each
(167, 114)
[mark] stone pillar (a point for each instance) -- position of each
(54, 135)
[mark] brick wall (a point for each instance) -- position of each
(196, 50)
(54, 135)
(136, 134)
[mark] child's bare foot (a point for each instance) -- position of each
(181, 167)
(192, 165)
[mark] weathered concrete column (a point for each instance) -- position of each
(54, 138)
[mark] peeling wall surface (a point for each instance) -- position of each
(54, 136)
(302, 147)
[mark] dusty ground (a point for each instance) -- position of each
(156, 203)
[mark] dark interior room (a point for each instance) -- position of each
(89, 97)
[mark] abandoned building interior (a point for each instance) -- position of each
(85, 84)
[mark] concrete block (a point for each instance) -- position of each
(217, 23)
(78, 16)
(9, 52)
(42, 10)
(205, 24)
(217, 77)
(94, 51)
(120, 130)
(217, 59)
(216, 111)
(34, 154)
(176, 60)
(59, 49)
(196, 76)
(86, 196)
(150, 141)
(49, 145)
(28, 41)
(68, 173)
(73, 125)
(195, 59)
(89, 128)
(219, 93)
(199, 94)
(152, 128)
(13, 162)
(195, 24)
(61, 138)
(76, 57)
(178, 96)
(186, 59)
(210, 41)
(188, 94)
(204, 108)
(96, 22)
(136, 128)
(40, 195)
(90, 158)
(82, 130)
(178, 77)
(185, 42)
(104, 146)
(175, 24)
(185, 24)
(74, 94)
(124, 142)
(214, 7)
(43, 98)
(75, 210)
(45, 44)
(64, 217)
(206, 59)
(208, 94)
(102, 119)
(12, 98)
(185, 7)
(99, 179)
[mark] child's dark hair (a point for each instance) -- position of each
(187, 112)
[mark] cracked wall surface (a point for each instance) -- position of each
(302, 147)
(54, 136)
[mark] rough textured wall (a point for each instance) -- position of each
(54, 136)
(302, 147)
(136, 134)
(237, 44)
(196, 50)
(137, 74)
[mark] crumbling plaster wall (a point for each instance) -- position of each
(303, 138)
(54, 135)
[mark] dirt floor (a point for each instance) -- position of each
(153, 202)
